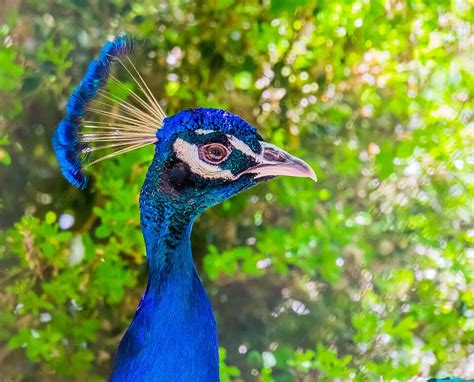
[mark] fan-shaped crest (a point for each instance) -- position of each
(99, 124)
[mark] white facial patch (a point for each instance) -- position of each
(189, 154)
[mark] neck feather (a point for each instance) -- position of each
(167, 231)
(173, 335)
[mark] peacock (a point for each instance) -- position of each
(202, 157)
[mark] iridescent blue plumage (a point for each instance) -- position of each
(65, 140)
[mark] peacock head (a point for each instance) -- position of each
(202, 156)
(205, 156)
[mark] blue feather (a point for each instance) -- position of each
(65, 141)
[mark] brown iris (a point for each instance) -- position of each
(213, 153)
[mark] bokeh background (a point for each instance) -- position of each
(365, 275)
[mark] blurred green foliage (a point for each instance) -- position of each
(367, 274)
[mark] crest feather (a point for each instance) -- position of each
(116, 126)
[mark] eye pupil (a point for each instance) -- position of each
(213, 153)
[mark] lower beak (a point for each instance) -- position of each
(274, 161)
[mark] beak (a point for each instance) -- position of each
(274, 161)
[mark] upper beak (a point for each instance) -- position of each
(274, 161)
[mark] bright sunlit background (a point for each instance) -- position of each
(367, 273)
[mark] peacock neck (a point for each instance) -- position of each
(173, 336)
(167, 232)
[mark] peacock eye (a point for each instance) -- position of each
(213, 153)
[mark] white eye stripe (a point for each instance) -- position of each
(189, 154)
(244, 148)
(203, 131)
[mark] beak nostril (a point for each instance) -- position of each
(273, 155)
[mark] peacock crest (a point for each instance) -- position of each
(99, 124)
